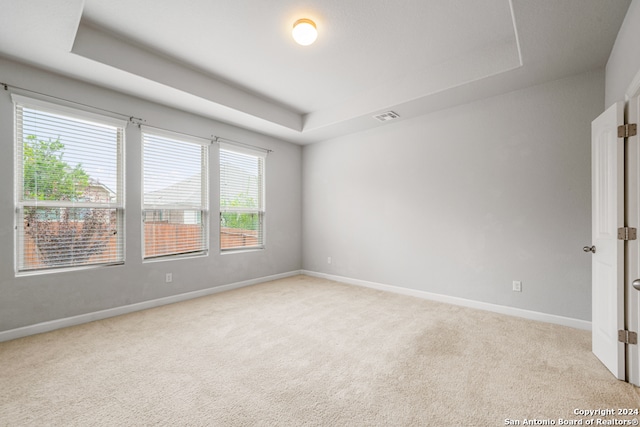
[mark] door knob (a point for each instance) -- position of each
(589, 249)
(636, 284)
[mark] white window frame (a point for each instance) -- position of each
(20, 203)
(203, 208)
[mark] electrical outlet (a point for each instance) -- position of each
(328, 260)
(517, 286)
(168, 278)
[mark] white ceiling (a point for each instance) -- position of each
(235, 61)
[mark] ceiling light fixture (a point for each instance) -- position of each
(304, 32)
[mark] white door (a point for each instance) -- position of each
(607, 210)
(633, 246)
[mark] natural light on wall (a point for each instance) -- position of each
(304, 32)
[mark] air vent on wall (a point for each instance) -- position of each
(385, 117)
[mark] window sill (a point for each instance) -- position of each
(43, 271)
(241, 250)
(175, 257)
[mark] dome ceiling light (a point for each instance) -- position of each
(304, 32)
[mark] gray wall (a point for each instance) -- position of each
(38, 298)
(464, 201)
(624, 61)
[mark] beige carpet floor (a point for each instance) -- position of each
(305, 351)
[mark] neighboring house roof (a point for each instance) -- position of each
(186, 192)
(96, 190)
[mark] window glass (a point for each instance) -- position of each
(241, 198)
(175, 195)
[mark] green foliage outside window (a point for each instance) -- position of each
(241, 221)
(63, 236)
(47, 176)
(244, 221)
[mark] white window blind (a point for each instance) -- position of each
(242, 206)
(176, 202)
(69, 187)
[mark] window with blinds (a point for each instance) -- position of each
(241, 198)
(176, 203)
(69, 187)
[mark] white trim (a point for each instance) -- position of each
(511, 311)
(67, 204)
(634, 87)
(64, 110)
(169, 207)
(52, 325)
(174, 136)
(117, 311)
(515, 32)
(53, 270)
(238, 147)
(232, 209)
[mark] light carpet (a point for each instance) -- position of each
(306, 351)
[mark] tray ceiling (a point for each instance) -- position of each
(236, 61)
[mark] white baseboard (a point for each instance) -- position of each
(103, 314)
(39, 328)
(502, 309)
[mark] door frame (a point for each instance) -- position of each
(632, 217)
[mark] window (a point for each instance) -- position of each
(175, 192)
(69, 187)
(241, 198)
